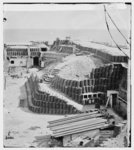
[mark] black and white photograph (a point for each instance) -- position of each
(67, 75)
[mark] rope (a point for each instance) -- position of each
(111, 34)
(117, 27)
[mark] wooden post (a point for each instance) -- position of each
(128, 101)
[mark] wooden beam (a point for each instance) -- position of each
(73, 117)
(78, 126)
(76, 120)
(80, 130)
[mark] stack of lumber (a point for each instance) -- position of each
(77, 124)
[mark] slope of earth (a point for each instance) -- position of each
(77, 67)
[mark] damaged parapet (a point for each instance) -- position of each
(92, 87)
(45, 103)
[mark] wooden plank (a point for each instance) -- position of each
(79, 126)
(80, 123)
(79, 130)
(75, 120)
(73, 117)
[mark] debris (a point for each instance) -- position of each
(34, 128)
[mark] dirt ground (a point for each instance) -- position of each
(19, 123)
(76, 67)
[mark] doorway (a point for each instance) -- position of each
(36, 61)
(114, 100)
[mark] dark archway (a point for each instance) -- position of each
(36, 61)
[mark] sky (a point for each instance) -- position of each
(65, 17)
(92, 18)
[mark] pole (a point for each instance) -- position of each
(128, 103)
(129, 100)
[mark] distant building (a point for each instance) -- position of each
(50, 57)
(17, 55)
(25, 55)
(64, 46)
(33, 54)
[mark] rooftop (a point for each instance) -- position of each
(18, 43)
(17, 47)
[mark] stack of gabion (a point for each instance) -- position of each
(100, 80)
(42, 102)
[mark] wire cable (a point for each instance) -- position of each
(111, 34)
(117, 27)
